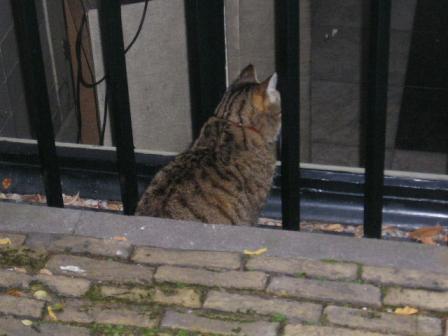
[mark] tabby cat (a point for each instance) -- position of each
(225, 177)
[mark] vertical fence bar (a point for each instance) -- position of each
(118, 93)
(288, 65)
(37, 100)
(206, 57)
(378, 67)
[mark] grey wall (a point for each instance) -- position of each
(157, 75)
(57, 69)
(13, 114)
(13, 117)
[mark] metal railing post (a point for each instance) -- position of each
(377, 87)
(206, 58)
(288, 64)
(118, 93)
(37, 100)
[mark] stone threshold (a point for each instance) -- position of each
(164, 233)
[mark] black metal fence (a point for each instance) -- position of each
(206, 52)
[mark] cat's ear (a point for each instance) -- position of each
(268, 89)
(247, 75)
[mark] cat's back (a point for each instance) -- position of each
(216, 181)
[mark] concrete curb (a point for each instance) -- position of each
(195, 236)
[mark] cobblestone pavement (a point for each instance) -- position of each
(74, 285)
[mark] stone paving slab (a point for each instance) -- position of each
(184, 297)
(228, 279)
(85, 312)
(14, 327)
(21, 218)
(326, 291)
(437, 301)
(63, 285)
(235, 303)
(312, 268)
(302, 330)
(205, 325)
(23, 307)
(11, 279)
(207, 259)
(16, 240)
(101, 247)
(384, 322)
(100, 270)
(405, 277)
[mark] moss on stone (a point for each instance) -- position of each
(31, 260)
(120, 330)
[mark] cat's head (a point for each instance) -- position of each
(253, 104)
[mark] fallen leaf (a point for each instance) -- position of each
(120, 238)
(115, 206)
(334, 228)
(5, 241)
(51, 314)
(27, 323)
(406, 311)
(6, 183)
(45, 271)
(256, 252)
(428, 241)
(40, 295)
(72, 200)
(14, 292)
(359, 231)
(426, 234)
(36, 198)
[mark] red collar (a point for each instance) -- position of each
(240, 125)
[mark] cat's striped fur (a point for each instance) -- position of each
(225, 177)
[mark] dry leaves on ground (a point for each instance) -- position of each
(120, 238)
(45, 271)
(14, 292)
(426, 235)
(333, 227)
(256, 252)
(406, 311)
(40, 294)
(51, 314)
(6, 183)
(69, 200)
(5, 241)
